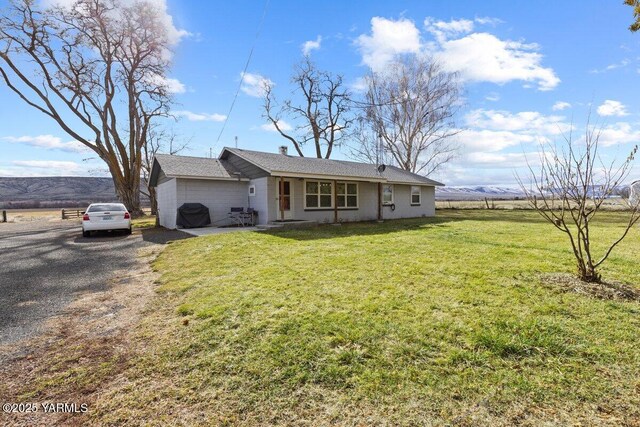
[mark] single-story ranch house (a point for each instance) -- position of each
(321, 190)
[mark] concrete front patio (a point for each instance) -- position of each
(207, 231)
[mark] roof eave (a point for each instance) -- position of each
(425, 184)
(286, 174)
(209, 178)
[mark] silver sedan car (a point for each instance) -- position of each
(106, 216)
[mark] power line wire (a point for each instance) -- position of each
(246, 66)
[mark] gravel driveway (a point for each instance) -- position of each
(45, 265)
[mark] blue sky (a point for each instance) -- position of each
(529, 69)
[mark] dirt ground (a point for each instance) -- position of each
(82, 350)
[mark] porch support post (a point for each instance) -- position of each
(379, 201)
(335, 201)
(281, 198)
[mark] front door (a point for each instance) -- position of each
(287, 200)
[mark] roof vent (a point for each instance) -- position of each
(282, 150)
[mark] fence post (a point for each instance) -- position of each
(4, 216)
(63, 214)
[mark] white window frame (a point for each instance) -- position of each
(252, 191)
(318, 194)
(347, 194)
(419, 202)
(390, 202)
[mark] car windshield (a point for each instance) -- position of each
(107, 208)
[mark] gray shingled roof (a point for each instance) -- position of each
(273, 163)
(201, 167)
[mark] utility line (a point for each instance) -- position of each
(246, 66)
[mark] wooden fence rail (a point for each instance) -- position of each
(72, 213)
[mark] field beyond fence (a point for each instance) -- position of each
(613, 204)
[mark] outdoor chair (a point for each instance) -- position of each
(250, 217)
(237, 216)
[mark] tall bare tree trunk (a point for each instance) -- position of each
(97, 68)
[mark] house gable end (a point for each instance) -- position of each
(246, 168)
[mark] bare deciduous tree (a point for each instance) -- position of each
(158, 141)
(321, 115)
(569, 189)
(96, 68)
(411, 107)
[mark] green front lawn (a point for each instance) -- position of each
(413, 322)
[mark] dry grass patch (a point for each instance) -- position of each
(81, 351)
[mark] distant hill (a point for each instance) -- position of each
(33, 192)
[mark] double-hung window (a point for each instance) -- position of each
(416, 195)
(347, 195)
(318, 194)
(387, 194)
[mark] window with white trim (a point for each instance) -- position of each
(318, 194)
(252, 190)
(416, 195)
(347, 194)
(387, 194)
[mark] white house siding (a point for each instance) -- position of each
(260, 202)
(367, 203)
(402, 201)
(218, 196)
(166, 193)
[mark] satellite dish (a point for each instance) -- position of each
(381, 168)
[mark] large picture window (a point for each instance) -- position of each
(416, 194)
(347, 195)
(318, 194)
(387, 194)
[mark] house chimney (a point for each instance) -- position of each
(282, 150)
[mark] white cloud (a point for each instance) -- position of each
(47, 164)
(173, 34)
(388, 39)
(310, 45)
(171, 85)
(497, 144)
(490, 135)
(612, 108)
(443, 30)
(487, 20)
(483, 57)
(200, 117)
(49, 142)
(502, 160)
(359, 85)
(174, 85)
(284, 126)
(478, 56)
(613, 66)
(560, 105)
(254, 84)
(493, 97)
(529, 122)
(24, 168)
(489, 141)
(619, 133)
